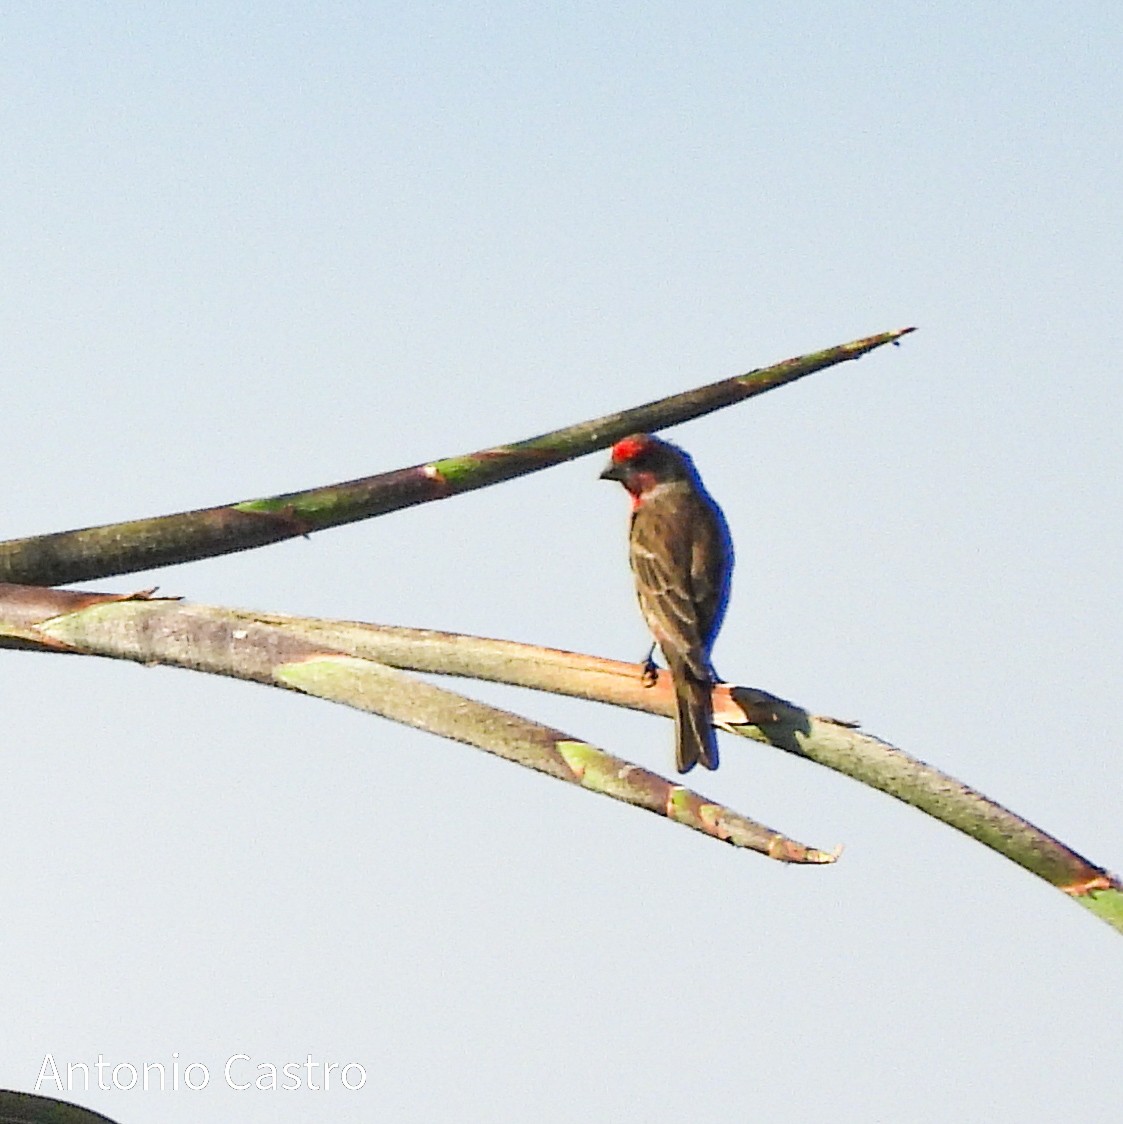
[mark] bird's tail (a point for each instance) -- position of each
(695, 737)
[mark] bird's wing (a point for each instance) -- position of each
(711, 563)
(662, 557)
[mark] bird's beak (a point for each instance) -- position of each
(612, 472)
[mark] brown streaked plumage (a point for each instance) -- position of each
(681, 556)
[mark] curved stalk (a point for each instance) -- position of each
(319, 655)
(239, 645)
(145, 544)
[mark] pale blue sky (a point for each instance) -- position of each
(248, 252)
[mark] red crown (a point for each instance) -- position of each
(628, 448)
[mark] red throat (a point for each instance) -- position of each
(638, 485)
(637, 482)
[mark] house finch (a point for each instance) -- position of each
(681, 556)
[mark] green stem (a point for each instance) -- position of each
(145, 544)
(225, 642)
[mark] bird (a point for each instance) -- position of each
(681, 556)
